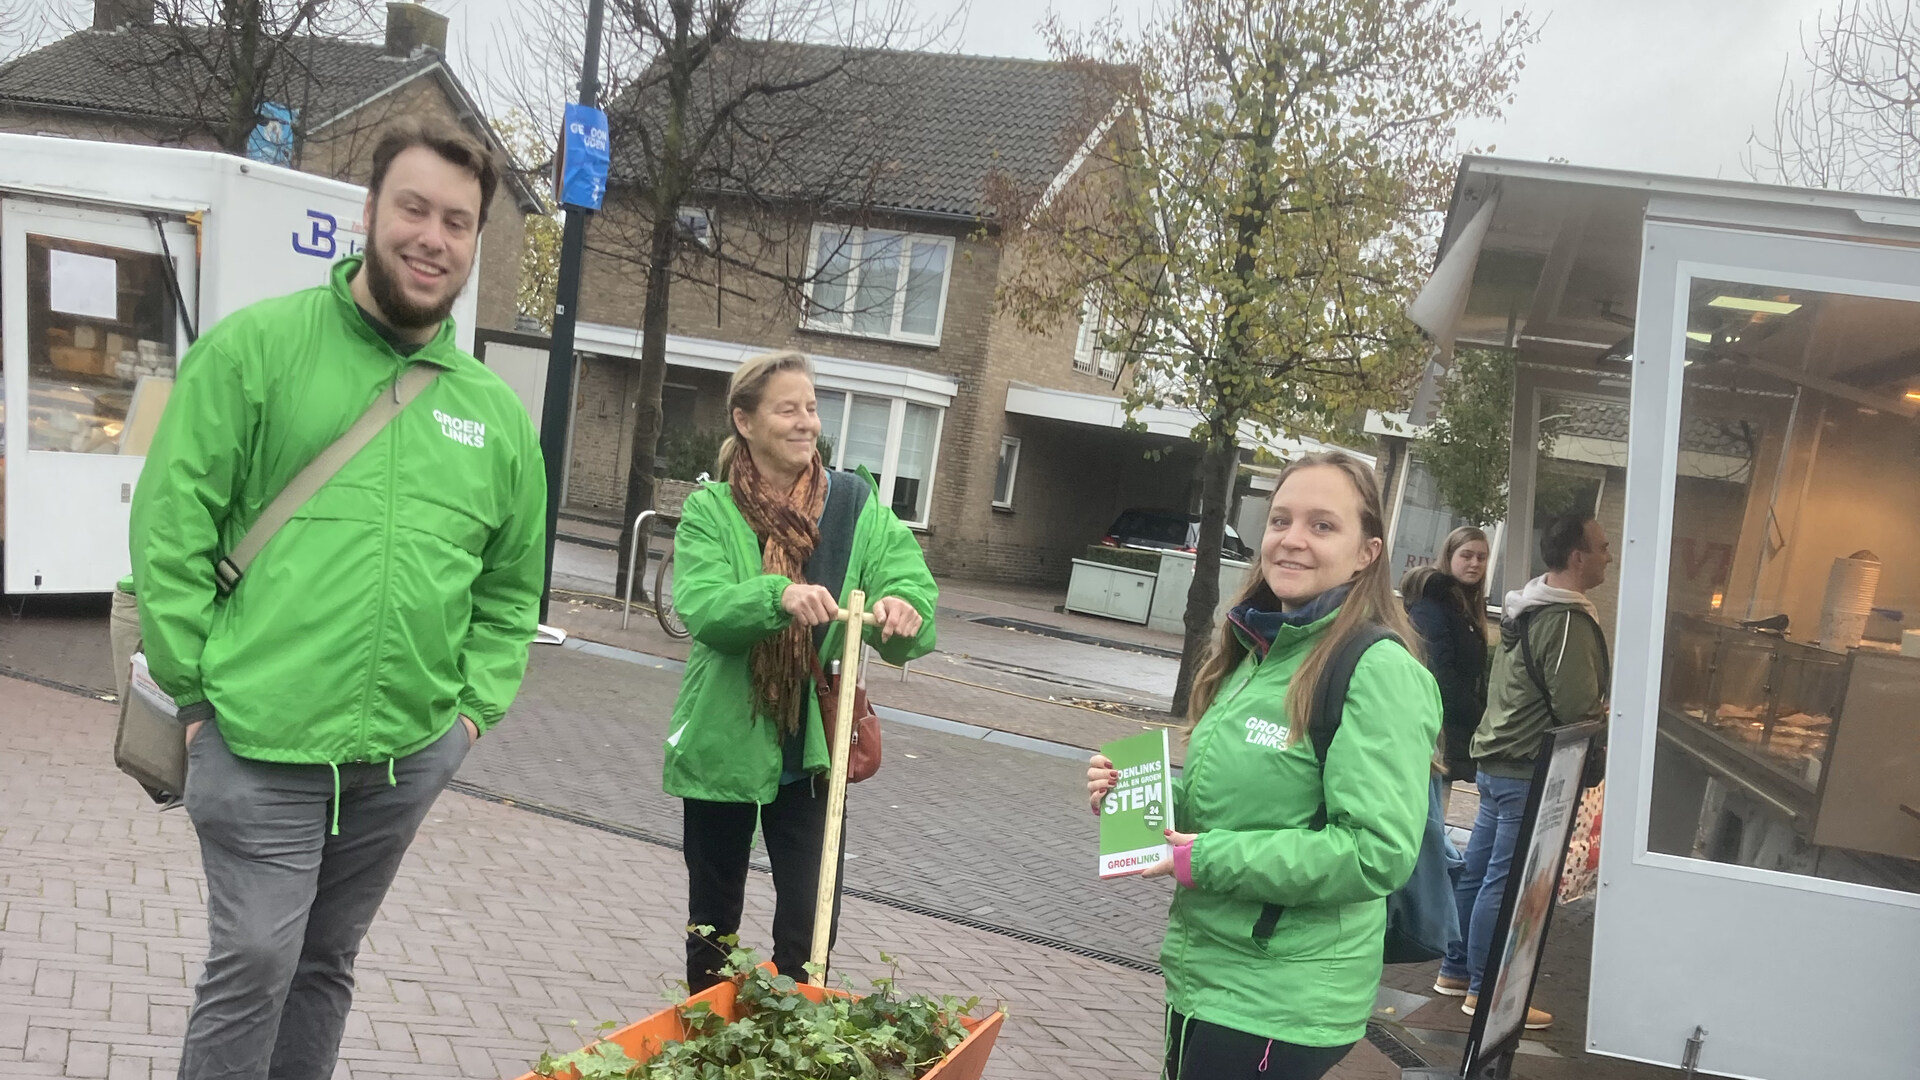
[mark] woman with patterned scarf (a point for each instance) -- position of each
(762, 562)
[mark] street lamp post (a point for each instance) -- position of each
(558, 411)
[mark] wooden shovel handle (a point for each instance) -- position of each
(855, 614)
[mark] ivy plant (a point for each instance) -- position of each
(780, 1033)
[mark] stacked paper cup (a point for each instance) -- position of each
(1850, 592)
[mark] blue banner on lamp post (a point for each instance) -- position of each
(272, 138)
(586, 155)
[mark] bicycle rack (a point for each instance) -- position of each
(633, 550)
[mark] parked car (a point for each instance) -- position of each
(1167, 530)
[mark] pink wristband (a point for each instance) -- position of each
(1183, 864)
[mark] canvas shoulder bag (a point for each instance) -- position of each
(150, 744)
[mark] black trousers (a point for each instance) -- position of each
(717, 838)
(1197, 1050)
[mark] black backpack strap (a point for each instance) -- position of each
(1539, 675)
(1606, 657)
(1323, 723)
(1534, 671)
(1330, 694)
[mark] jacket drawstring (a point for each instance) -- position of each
(1265, 1056)
(1166, 1046)
(336, 797)
(1179, 1065)
(392, 781)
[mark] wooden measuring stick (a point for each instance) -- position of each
(857, 618)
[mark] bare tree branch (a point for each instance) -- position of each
(1850, 119)
(770, 114)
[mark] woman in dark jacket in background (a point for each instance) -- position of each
(1450, 613)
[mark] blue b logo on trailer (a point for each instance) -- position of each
(586, 154)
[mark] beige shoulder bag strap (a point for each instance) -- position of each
(311, 479)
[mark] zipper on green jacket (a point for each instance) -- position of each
(1197, 753)
(1192, 770)
(386, 567)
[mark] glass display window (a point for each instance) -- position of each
(100, 346)
(1794, 586)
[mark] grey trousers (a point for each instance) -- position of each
(288, 903)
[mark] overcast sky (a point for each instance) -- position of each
(1656, 85)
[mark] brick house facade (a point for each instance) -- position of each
(104, 84)
(1072, 479)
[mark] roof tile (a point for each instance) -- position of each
(914, 132)
(153, 72)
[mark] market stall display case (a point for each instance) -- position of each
(1763, 711)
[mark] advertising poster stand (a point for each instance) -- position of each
(1526, 912)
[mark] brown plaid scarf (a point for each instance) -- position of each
(787, 524)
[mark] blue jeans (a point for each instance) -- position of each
(1483, 880)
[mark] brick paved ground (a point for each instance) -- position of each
(124, 917)
(65, 639)
(1003, 678)
(951, 824)
(490, 943)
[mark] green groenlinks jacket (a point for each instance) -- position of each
(1281, 935)
(718, 748)
(403, 594)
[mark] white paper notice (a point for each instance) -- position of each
(85, 285)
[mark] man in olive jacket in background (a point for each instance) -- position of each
(335, 690)
(1570, 652)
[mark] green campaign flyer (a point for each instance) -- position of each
(1139, 809)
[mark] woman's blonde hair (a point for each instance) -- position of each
(1475, 595)
(744, 391)
(1370, 601)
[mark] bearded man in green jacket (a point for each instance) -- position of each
(333, 692)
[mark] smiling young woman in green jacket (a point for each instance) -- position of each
(1273, 950)
(761, 565)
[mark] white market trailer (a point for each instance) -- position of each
(1730, 373)
(109, 254)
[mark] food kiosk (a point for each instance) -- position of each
(112, 257)
(1728, 376)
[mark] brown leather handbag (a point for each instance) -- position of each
(863, 752)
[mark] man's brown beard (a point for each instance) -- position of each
(384, 285)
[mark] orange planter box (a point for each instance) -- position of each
(644, 1038)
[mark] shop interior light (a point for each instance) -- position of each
(1700, 336)
(1747, 303)
(1913, 395)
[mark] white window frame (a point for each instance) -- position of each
(702, 238)
(841, 322)
(1013, 471)
(890, 457)
(1088, 356)
(1085, 343)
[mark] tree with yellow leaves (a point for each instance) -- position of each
(1258, 215)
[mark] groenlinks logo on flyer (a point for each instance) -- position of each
(1139, 808)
